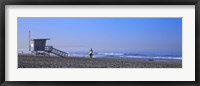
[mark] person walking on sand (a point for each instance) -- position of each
(91, 53)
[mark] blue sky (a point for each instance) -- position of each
(104, 34)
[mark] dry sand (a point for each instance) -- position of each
(25, 61)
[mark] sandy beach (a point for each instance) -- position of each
(26, 61)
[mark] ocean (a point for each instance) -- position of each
(136, 55)
(141, 55)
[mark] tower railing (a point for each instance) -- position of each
(51, 49)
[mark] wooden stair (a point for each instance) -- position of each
(51, 49)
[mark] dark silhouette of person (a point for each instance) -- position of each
(91, 53)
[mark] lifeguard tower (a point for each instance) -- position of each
(38, 47)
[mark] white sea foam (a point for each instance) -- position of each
(110, 53)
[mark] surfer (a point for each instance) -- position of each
(91, 53)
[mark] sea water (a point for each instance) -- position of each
(136, 55)
(155, 55)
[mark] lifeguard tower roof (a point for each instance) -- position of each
(41, 39)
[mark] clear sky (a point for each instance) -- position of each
(104, 34)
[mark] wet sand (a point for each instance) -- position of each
(26, 61)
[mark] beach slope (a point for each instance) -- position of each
(26, 61)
